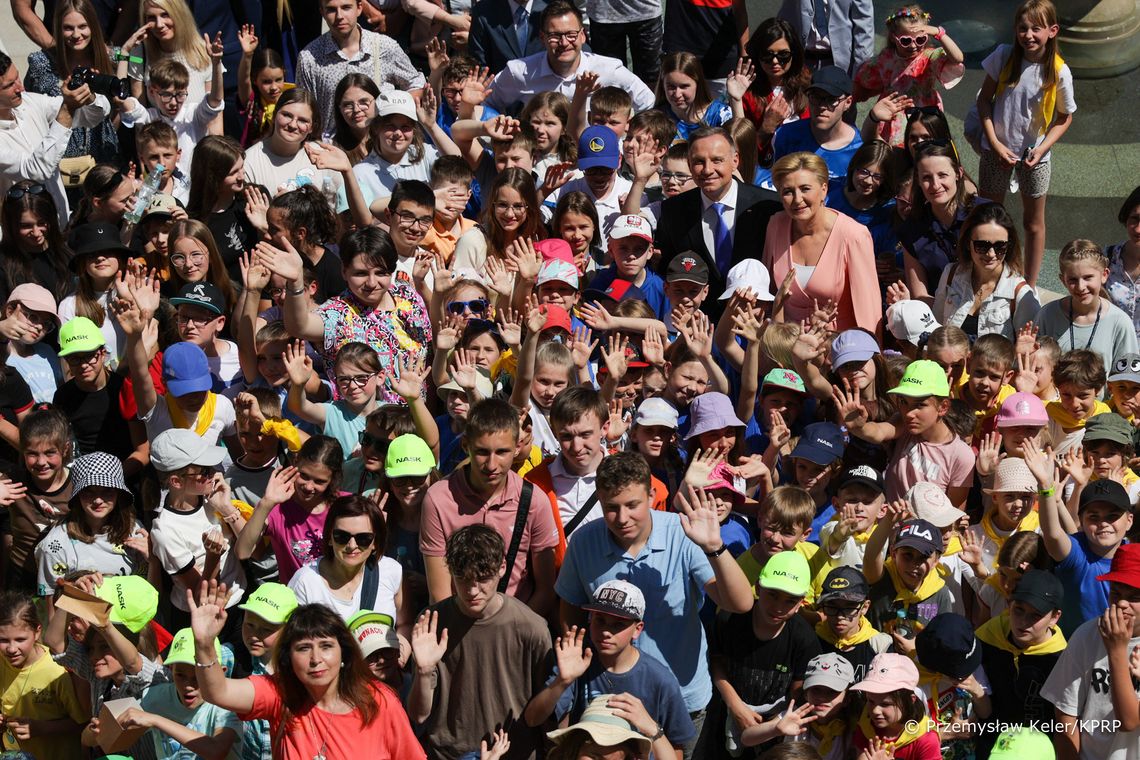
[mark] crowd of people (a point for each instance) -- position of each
(518, 379)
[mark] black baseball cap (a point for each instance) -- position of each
(1105, 491)
(947, 645)
(862, 475)
(688, 267)
(920, 536)
(832, 80)
(1039, 589)
(97, 237)
(202, 294)
(844, 584)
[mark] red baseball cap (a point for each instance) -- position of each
(1125, 566)
(556, 316)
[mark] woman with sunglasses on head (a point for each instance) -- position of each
(353, 574)
(107, 195)
(376, 309)
(779, 92)
(32, 246)
(984, 291)
(909, 67)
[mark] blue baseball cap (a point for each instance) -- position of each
(598, 146)
(821, 443)
(852, 346)
(185, 369)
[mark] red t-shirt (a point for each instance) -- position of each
(925, 747)
(337, 737)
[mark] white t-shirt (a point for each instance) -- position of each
(58, 554)
(311, 588)
(176, 540)
(280, 174)
(1079, 685)
(1017, 121)
(226, 367)
(224, 423)
(378, 177)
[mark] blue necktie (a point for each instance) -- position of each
(522, 27)
(722, 240)
(821, 18)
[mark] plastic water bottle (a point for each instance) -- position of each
(146, 192)
(136, 62)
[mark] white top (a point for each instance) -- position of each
(542, 434)
(1017, 122)
(191, 124)
(176, 540)
(226, 368)
(32, 143)
(311, 588)
(378, 177)
(224, 423)
(609, 207)
(1079, 686)
(803, 273)
(280, 174)
(572, 492)
(113, 334)
(709, 220)
(523, 78)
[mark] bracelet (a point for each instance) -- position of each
(940, 33)
(205, 664)
(299, 291)
(723, 548)
(1050, 491)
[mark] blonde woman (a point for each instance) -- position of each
(169, 31)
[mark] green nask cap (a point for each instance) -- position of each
(787, 572)
(923, 378)
(1023, 742)
(408, 455)
(182, 649)
(80, 335)
(133, 600)
(272, 602)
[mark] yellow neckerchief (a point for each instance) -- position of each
(865, 632)
(534, 459)
(995, 632)
(244, 507)
(1031, 522)
(283, 430)
(1112, 408)
(1130, 478)
(1049, 94)
(827, 733)
(994, 582)
(930, 585)
(913, 730)
(953, 546)
(268, 109)
(507, 362)
(201, 422)
(1065, 418)
(965, 394)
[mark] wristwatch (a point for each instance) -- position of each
(656, 736)
(723, 548)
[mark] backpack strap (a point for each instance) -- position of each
(580, 515)
(516, 535)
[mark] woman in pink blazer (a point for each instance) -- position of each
(832, 254)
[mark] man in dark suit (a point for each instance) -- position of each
(502, 30)
(722, 220)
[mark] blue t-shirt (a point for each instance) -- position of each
(163, 700)
(797, 136)
(1085, 596)
(648, 680)
(717, 114)
(40, 371)
(653, 288)
(344, 425)
(671, 572)
(822, 517)
(879, 219)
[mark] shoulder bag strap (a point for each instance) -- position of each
(580, 515)
(516, 535)
(370, 586)
(1013, 301)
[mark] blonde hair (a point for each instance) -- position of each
(788, 507)
(555, 354)
(802, 161)
(186, 39)
(1081, 250)
(777, 342)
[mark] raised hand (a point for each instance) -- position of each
(618, 424)
(698, 333)
(297, 363)
(895, 512)
(128, 316)
(581, 348)
(502, 280)
(794, 721)
(847, 525)
(328, 156)
(409, 383)
(613, 355)
(556, 176)
(989, 453)
(645, 161)
(208, 615)
(524, 259)
(443, 279)
(740, 79)
(572, 657)
(216, 49)
(653, 347)
(254, 277)
(1026, 379)
(426, 106)
(476, 87)
(890, 105)
(849, 405)
(1040, 462)
(746, 325)
(437, 56)
(809, 348)
(502, 127)
(971, 551)
(284, 262)
(586, 84)
(247, 39)
(823, 317)
(257, 207)
(535, 315)
(427, 647)
(596, 316)
(699, 520)
(779, 434)
(510, 327)
(1027, 339)
(701, 465)
(447, 336)
(498, 749)
(897, 292)
(463, 371)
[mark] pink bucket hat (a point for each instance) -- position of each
(1022, 409)
(888, 672)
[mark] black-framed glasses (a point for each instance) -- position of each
(84, 358)
(834, 611)
(17, 192)
(916, 111)
(868, 174)
(342, 537)
(478, 306)
(166, 97)
(409, 220)
(556, 37)
(675, 177)
(359, 381)
(982, 247)
(782, 57)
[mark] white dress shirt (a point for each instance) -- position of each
(709, 221)
(523, 78)
(32, 143)
(572, 492)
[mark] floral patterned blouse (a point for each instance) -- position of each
(393, 334)
(99, 141)
(1122, 289)
(917, 78)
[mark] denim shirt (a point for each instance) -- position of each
(1011, 305)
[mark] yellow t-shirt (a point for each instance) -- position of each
(818, 563)
(41, 691)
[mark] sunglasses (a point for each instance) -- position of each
(369, 440)
(16, 193)
(982, 247)
(782, 57)
(115, 180)
(363, 540)
(478, 306)
(915, 112)
(919, 40)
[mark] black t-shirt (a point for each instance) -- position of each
(15, 397)
(330, 280)
(234, 234)
(762, 672)
(705, 27)
(95, 417)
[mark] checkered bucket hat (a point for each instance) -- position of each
(98, 469)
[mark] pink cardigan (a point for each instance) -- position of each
(845, 273)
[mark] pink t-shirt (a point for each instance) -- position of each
(451, 504)
(947, 465)
(314, 732)
(295, 534)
